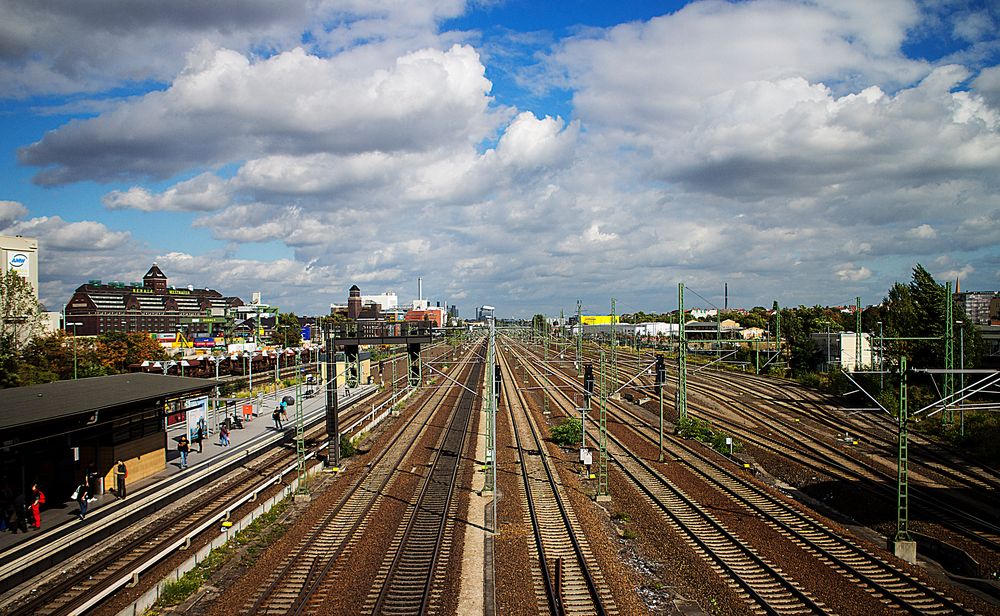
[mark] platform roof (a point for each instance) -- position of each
(21, 406)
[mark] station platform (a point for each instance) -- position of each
(61, 510)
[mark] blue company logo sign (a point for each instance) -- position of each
(18, 259)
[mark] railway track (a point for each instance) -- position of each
(301, 582)
(560, 547)
(891, 584)
(406, 583)
(756, 399)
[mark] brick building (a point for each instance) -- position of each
(152, 306)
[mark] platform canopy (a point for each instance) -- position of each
(22, 406)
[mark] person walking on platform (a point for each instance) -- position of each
(276, 416)
(121, 472)
(20, 515)
(224, 435)
(37, 500)
(184, 448)
(81, 498)
(6, 506)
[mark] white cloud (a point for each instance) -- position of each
(225, 107)
(851, 273)
(923, 232)
(202, 193)
(67, 47)
(11, 211)
(770, 144)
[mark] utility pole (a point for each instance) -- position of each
(579, 339)
(948, 416)
(545, 364)
(905, 547)
(491, 410)
(680, 399)
(661, 373)
(602, 467)
(332, 427)
(857, 335)
(614, 343)
(300, 433)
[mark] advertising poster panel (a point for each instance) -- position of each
(196, 410)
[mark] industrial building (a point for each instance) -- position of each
(150, 306)
(840, 349)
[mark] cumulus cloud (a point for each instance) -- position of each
(787, 147)
(851, 273)
(204, 192)
(923, 232)
(65, 47)
(11, 211)
(224, 107)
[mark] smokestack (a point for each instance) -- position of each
(726, 303)
(420, 288)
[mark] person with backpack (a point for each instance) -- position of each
(37, 500)
(184, 447)
(81, 497)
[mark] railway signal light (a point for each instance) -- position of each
(661, 373)
(588, 379)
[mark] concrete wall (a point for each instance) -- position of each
(143, 457)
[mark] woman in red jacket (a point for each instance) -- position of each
(37, 500)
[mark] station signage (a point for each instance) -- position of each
(18, 261)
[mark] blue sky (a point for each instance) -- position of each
(518, 154)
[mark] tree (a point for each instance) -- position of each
(20, 321)
(538, 323)
(287, 330)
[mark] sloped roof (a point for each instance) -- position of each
(155, 272)
(21, 406)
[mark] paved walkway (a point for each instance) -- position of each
(56, 514)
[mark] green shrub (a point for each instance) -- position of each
(567, 433)
(347, 448)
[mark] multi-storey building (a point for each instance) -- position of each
(153, 306)
(977, 305)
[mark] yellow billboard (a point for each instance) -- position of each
(599, 319)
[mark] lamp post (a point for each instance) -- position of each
(74, 326)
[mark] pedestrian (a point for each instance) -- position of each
(276, 416)
(200, 434)
(121, 473)
(224, 435)
(20, 515)
(37, 500)
(184, 448)
(284, 409)
(6, 506)
(81, 498)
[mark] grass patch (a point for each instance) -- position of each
(257, 535)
